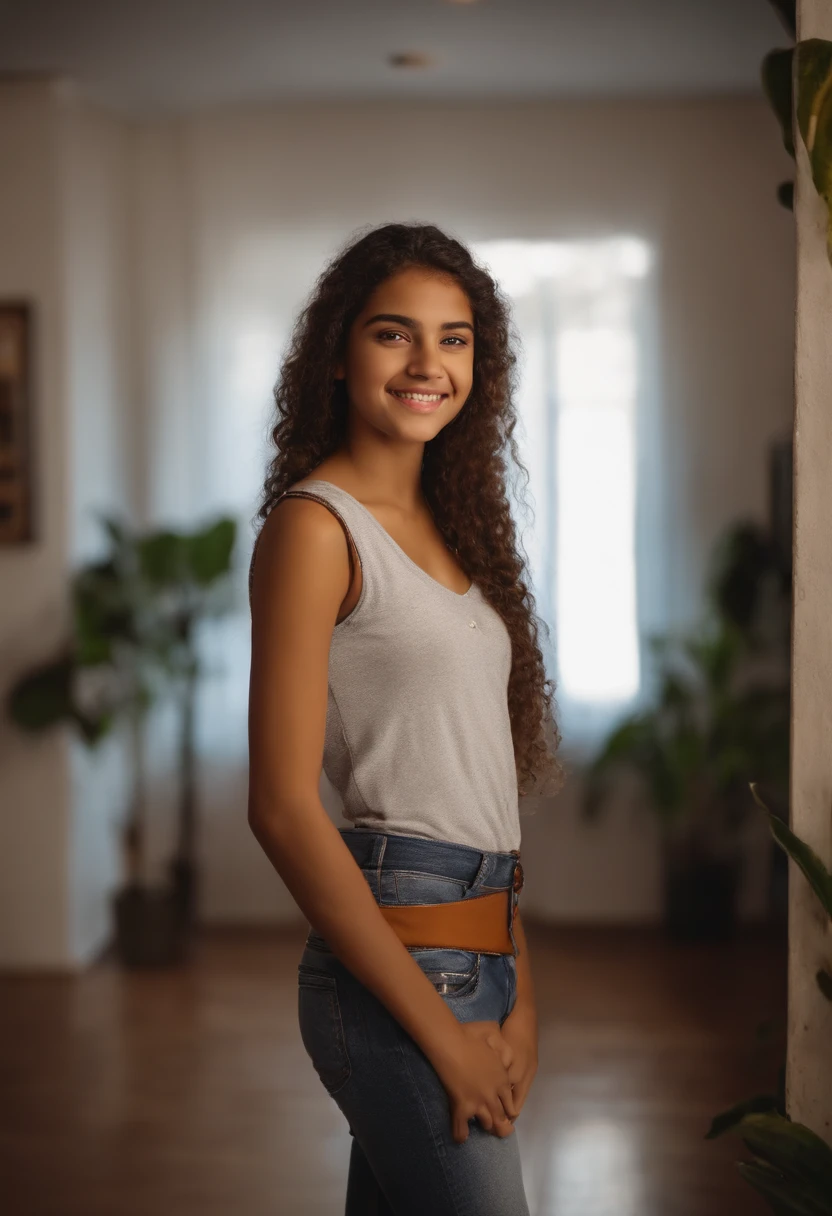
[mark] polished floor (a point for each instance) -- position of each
(188, 1093)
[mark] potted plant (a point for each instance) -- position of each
(188, 577)
(125, 653)
(720, 716)
(792, 1165)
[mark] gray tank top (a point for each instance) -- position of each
(418, 736)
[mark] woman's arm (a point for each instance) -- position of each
(525, 988)
(520, 1030)
(300, 578)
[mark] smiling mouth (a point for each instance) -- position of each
(412, 395)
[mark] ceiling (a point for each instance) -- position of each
(155, 57)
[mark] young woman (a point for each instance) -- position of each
(394, 642)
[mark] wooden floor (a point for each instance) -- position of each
(188, 1093)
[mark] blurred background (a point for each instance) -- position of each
(175, 176)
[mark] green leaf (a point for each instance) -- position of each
(813, 73)
(785, 1197)
(209, 551)
(777, 86)
(793, 1149)
(163, 558)
(728, 1119)
(805, 857)
(93, 730)
(43, 698)
(739, 563)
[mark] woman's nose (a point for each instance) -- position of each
(425, 361)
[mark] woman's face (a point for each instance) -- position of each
(415, 335)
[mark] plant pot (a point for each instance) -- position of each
(700, 895)
(183, 877)
(150, 931)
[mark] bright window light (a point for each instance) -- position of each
(576, 308)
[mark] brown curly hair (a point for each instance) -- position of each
(464, 468)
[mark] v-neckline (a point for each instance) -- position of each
(459, 595)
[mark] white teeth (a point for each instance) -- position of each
(418, 396)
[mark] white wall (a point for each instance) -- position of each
(36, 811)
(96, 218)
(237, 212)
(63, 243)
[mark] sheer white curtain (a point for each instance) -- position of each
(589, 436)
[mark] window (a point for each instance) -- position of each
(579, 308)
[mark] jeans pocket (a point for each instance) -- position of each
(453, 973)
(415, 888)
(321, 1028)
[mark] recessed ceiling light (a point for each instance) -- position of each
(410, 59)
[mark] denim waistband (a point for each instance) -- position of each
(383, 850)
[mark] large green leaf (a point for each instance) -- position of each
(163, 558)
(209, 551)
(813, 73)
(792, 1149)
(785, 1196)
(805, 857)
(43, 697)
(729, 1119)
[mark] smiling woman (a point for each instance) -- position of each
(394, 641)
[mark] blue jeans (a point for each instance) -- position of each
(404, 1160)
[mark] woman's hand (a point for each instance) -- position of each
(477, 1082)
(490, 1032)
(519, 1034)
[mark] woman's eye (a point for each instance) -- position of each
(385, 334)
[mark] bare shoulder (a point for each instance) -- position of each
(301, 548)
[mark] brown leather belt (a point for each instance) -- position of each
(480, 924)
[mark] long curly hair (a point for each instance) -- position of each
(464, 468)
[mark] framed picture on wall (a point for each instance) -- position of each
(16, 429)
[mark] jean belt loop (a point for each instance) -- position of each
(381, 846)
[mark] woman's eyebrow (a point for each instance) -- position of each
(412, 323)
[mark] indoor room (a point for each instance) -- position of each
(637, 196)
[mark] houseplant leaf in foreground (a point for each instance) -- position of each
(730, 1118)
(785, 1196)
(805, 857)
(813, 76)
(800, 1162)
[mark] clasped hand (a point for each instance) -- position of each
(516, 1045)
